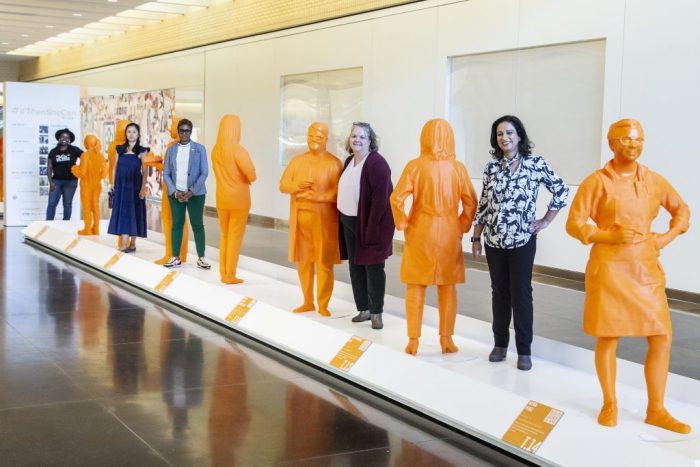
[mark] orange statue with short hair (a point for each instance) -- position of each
(433, 229)
(234, 172)
(166, 215)
(91, 171)
(312, 180)
(625, 284)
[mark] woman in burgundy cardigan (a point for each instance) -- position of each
(367, 224)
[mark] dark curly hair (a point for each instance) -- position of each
(524, 147)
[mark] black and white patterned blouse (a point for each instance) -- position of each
(508, 202)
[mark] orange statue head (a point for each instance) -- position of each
(120, 132)
(229, 131)
(317, 137)
(173, 127)
(626, 139)
(437, 140)
(91, 143)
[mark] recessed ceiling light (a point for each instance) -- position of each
(5, 43)
(25, 35)
(77, 14)
(49, 26)
(112, 1)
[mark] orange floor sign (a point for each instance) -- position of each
(350, 353)
(165, 282)
(241, 309)
(532, 426)
(113, 260)
(41, 232)
(72, 244)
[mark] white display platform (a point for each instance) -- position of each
(463, 390)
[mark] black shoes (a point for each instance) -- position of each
(498, 354)
(524, 362)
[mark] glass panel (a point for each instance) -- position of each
(557, 91)
(332, 97)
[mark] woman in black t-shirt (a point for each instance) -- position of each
(62, 183)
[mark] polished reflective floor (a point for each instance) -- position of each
(93, 374)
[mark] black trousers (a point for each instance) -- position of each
(368, 280)
(511, 290)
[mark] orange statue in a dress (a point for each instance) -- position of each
(625, 284)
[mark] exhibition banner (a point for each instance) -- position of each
(33, 114)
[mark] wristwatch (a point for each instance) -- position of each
(475, 239)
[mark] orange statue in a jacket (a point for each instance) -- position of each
(625, 284)
(433, 229)
(312, 180)
(234, 172)
(166, 215)
(91, 171)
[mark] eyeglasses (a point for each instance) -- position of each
(626, 141)
(183, 130)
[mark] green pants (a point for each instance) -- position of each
(195, 208)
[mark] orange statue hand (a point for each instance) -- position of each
(151, 160)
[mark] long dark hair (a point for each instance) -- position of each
(524, 147)
(137, 145)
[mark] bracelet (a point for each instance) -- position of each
(475, 239)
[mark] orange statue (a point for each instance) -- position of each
(433, 229)
(234, 173)
(312, 180)
(165, 213)
(625, 284)
(91, 171)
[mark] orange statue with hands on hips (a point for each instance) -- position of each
(165, 214)
(312, 180)
(91, 171)
(433, 229)
(625, 284)
(234, 172)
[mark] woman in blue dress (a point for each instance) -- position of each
(129, 205)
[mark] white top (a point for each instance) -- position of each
(183, 161)
(349, 188)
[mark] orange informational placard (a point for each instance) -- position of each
(166, 281)
(350, 353)
(241, 309)
(72, 244)
(113, 260)
(41, 232)
(532, 426)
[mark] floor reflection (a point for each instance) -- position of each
(95, 373)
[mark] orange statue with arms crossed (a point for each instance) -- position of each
(433, 229)
(312, 180)
(625, 284)
(165, 213)
(91, 171)
(234, 172)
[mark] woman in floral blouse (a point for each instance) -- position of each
(505, 218)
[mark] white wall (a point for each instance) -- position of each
(651, 74)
